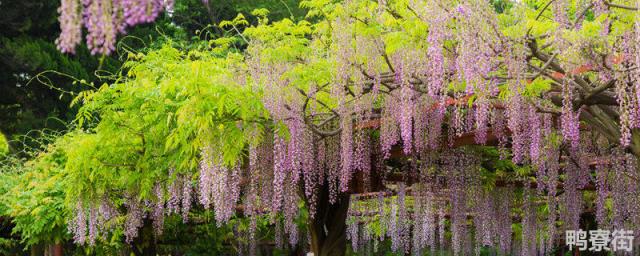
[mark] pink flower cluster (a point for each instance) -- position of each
(104, 20)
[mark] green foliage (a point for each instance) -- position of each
(42, 55)
(4, 145)
(203, 237)
(170, 105)
(537, 87)
(34, 198)
(281, 41)
(239, 20)
(36, 84)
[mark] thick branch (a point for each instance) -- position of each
(591, 95)
(612, 5)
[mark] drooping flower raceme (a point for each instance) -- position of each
(103, 20)
(71, 24)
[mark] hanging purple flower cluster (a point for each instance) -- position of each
(424, 221)
(529, 224)
(517, 108)
(628, 97)
(436, 65)
(180, 196)
(346, 151)
(141, 11)
(352, 224)
(626, 208)
(457, 181)
(134, 219)
(71, 25)
(393, 231)
(218, 186)
(98, 224)
(503, 220)
(602, 191)
(552, 180)
(158, 212)
(422, 226)
(570, 118)
(560, 13)
(78, 225)
(98, 18)
(389, 134)
(104, 20)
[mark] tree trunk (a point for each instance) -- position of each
(145, 243)
(53, 250)
(328, 228)
(57, 250)
(37, 250)
(605, 121)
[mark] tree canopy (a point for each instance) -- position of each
(430, 125)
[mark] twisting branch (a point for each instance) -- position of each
(544, 109)
(415, 81)
(314, 128)
(556, 81)
(545, 66)
(595, 91)
(416, 14)
(316, 100)
(393, 13)
(382, 81)
(606, 120)
(327, 120)
(544, 8)
(533, 46)
(612, 5)
(597, 124)
(116, 165)
(388, 61)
